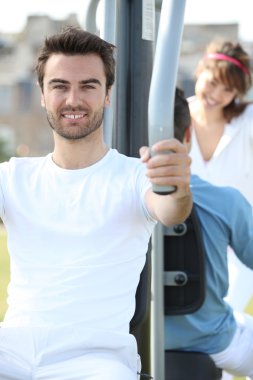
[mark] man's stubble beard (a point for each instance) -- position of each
(74, 132)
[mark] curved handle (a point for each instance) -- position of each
(89, 19)
(164, 76)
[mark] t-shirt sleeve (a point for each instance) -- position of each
(241, 220)
(143, 185)
(3, 170)
(248, 120)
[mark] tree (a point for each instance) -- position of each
(5, 150)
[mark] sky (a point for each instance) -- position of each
(13, 13)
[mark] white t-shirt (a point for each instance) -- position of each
(232, 161)
(232, 165)
(77, 241)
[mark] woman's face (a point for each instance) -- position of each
(213, 94)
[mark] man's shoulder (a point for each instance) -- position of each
(125, 161)
(21, 163)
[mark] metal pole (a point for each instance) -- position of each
(108, 33)
(89, 20)
(164, 76)
(161, 126)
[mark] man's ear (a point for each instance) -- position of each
(42, 100)
(108, 97)
(187, 138)
(188, 134)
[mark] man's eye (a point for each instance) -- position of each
(88, 87)
(59, 86)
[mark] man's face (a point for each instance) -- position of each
(74, 94)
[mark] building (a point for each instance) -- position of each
(23, 123)
(194, 42)
(20, 110)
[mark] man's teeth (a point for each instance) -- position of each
(74, 116)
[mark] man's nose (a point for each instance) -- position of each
(73, 98)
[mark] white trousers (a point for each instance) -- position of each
(237, 358)
(39, 354)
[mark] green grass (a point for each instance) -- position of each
(4, 272)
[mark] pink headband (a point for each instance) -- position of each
(225, 57)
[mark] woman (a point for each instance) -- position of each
(222, 150)
(222, 137)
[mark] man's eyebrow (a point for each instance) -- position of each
(91, 80)
(58, 80)
(86, 81)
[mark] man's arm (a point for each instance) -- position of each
(170, 169)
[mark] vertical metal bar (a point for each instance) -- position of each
(161, 126)
(121, 134)
(157, 313)
(108, 33)
(134, 70)
(141, 54)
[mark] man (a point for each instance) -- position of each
(79, 221)
(226, 220)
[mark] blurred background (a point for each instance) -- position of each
(24, 130)
(23, 25)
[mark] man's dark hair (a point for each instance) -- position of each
(182, 116)
(76, 41)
